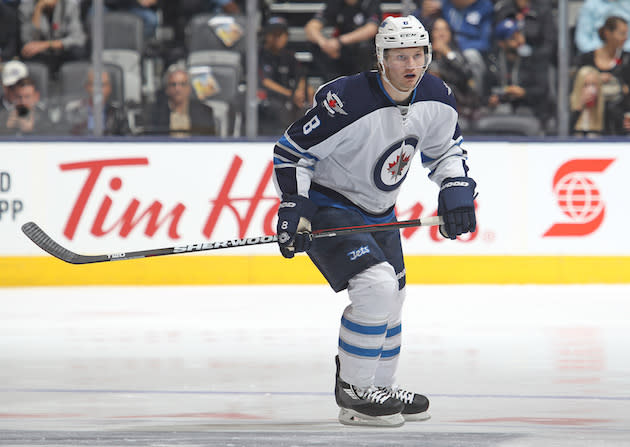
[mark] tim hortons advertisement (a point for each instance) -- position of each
(99, 198)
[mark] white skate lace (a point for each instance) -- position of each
(376, 395)
(400, 394)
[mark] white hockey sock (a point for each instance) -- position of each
(385, 374)
(364, 323)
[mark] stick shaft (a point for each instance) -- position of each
(46, 243)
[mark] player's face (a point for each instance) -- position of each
(404, 66)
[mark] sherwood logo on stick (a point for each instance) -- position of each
(225, 244)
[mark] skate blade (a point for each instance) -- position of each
(351, 417)
(417, 416)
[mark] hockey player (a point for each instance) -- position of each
(343, 164)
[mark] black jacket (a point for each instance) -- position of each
(77, 118)
(530, 73)
(9, 34)
(159, 115)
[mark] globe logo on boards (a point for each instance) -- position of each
(578, 197)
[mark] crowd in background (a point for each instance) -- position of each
(499, 57)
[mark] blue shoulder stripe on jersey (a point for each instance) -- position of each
(286, 155)
(278, 163)
(363, 352)
(283, 141)
(362, 329)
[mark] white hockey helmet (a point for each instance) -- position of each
(402, 32)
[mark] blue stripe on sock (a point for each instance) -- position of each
(391, 332)
(361, 329)
(390, 352)
(363, 352)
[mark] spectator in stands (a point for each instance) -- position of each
(428, 11)
(351, 47)
(177, 14)
(177, 111)
(536, 22)
(587, 104)
(28, 117)
(284, 93)
(591, 17)
(52, 32)
(613, 64)
(13, 72)
(9, 34)
(471, 23)
(518, 82)
(79, 114)
(450, 65)
(145, 9)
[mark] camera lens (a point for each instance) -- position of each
(22, 110)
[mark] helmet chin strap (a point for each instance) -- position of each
(402, 92)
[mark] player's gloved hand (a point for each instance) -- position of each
(294, 224)
(456, 205)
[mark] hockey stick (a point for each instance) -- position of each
(46, 243)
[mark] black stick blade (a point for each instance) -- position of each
(46, 243)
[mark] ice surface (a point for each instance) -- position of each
(253, 366)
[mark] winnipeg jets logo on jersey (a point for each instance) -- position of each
(333, 104)
(355, 254)
(392, 167)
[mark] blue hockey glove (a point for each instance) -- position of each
(294, 224)
(456, 205)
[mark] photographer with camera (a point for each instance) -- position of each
(27, 117)
(12, 73)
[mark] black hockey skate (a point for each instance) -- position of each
(416, 405)
(372, 406)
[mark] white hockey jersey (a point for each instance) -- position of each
(356, 145)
